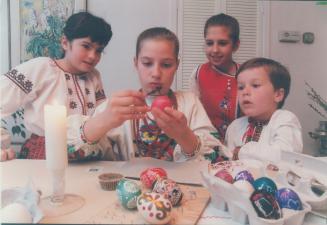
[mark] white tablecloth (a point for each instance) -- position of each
(82, 179)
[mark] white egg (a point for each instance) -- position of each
(244, 186)
(15, 213)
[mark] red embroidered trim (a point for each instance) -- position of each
(19, 79)
(79, 92)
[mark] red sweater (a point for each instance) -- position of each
(218, 94)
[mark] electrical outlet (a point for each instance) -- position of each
(308, 37)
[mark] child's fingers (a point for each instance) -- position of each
(132, 109)
(11, 153)
(159, 114)
(174, 113)
(127, 101)
(4, 155)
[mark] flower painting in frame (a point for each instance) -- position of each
(36, 27)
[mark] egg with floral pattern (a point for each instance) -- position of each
(170, 189)
(154, 208)
(127, 192)
(149, 176)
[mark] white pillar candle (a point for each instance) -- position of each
(55, 128)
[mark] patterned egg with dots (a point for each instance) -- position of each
(154, 208)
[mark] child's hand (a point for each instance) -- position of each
(172, 122)
(125, 105)
(7, 154)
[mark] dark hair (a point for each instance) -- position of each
(84, 24)
(157, 33)
(278, 74)
(226, 21)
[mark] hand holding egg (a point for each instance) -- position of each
(161, 102)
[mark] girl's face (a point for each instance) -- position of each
(256, 95)
(219, 47)
(81, 54)
(156, 65)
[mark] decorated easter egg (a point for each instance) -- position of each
(154, 208)
(162, 102)
(266, 184)
(244, 186)
(265, 205)
(127, 192)
(170, 189)
(223, 174)
(244, 175)
(287, 198)
(149, 176)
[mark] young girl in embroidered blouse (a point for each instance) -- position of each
(266, 129)
(174, 134)
(72, 81)
(214, 82)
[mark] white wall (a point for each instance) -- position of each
(306, 62)
(128, 19)
(4, 50)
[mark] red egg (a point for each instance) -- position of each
(223, 174)
(149, 176)
(162, 102)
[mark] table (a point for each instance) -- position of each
(82, 179)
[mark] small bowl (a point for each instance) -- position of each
(109, 181)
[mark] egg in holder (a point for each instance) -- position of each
(261, 200)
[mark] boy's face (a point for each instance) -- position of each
(156, 65)
(256, 95)
(81, 54)
(219, 47)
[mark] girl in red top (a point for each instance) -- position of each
(214, 82)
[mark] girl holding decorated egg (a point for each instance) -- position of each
(266, 129)
(175, 128)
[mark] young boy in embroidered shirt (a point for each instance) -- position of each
(266, 129)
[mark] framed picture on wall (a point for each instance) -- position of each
(36, 26)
